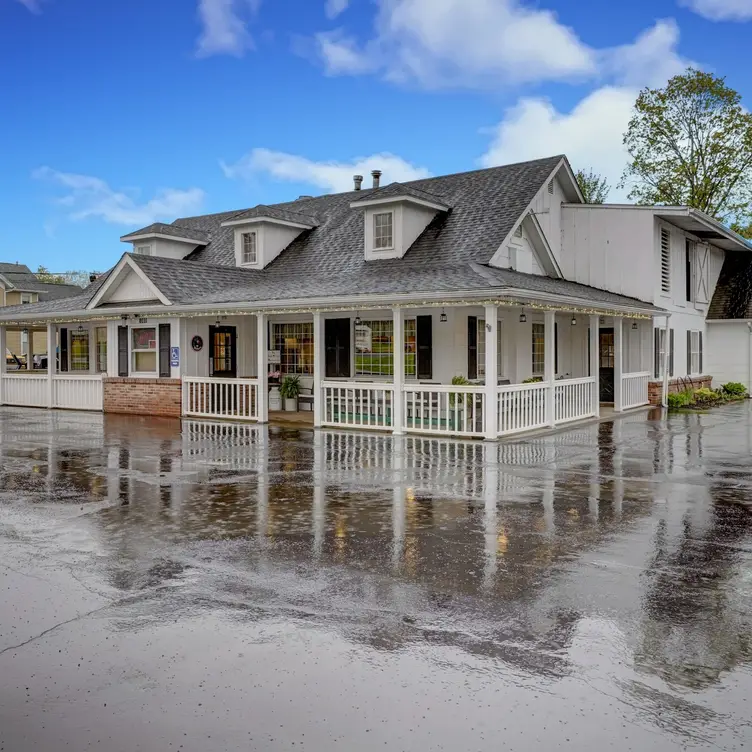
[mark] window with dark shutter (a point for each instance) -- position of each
(63, 350)
(671, 353)
(424, 332)
(689, 352)
(472, 347)
(122, 351)
(556, 348)
(701, 369)
(657, 353)
(164, 351)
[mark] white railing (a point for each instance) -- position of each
(81, 392)
(233, 399)
(573, 399)
(456, 410)
(357, 405)
(522, 407)
(634, 389)
(25, 390)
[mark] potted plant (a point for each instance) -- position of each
(289, 390)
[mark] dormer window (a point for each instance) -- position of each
(249, 248)
(383, 231)
(143, 250)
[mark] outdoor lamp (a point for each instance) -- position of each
(80, 328)
(634, 326)
(443, 317)
(357, 319)
(523, 317)
(574, 320)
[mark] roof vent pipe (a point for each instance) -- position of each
(358, 180)
(376, 174)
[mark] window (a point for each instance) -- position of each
(663, 354)
(539, 349)
(101, 349)
(295, 343)
(383, 236)
(79, 350)
(689, 273)
(482, 349)
(144, 349)
(694, 353)
(249, 247)
(143, 250)
(374, 348)
(25, 297)
(665, 260)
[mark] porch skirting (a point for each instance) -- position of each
(134, 396)
(655, 388)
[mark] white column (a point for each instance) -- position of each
(176, 340)
(399, 369)
(319, 359)
(491, 412)
(262, 367)
(666, 355)
(618, 362)
(549, 364)
(595, 323)
(3, 349)
(51, 343)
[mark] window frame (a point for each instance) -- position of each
(100, 366)
(74, 361)
(481, 349)
(25, 298)
(541, 329)
(690, 253)
(143, 250)
(374, 243)
(694, 353)
(410, 333)
(281, 332)
(248, 261)
(133, 351)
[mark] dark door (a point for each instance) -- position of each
(606, 364)
(223, 352)
(337, 344)
(424, 336)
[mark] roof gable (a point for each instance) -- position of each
(127, 283)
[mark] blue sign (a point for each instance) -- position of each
(174, 357)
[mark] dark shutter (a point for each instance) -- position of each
(63, 350)
(689, 352)
(122, 351)
(657, 353)
(337, 346)
(671, 353)
(472, 347)
(589, 358)
(556, 348)
(424, 336)
(164, 351)
(701, 368)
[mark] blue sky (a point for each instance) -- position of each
(120, 113)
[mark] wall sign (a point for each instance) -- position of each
(274, 357)
(197, 344)
(174, 357)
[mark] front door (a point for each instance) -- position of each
(223, 352)
(606, 364)
(337, 344)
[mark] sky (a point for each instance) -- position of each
(119, 113)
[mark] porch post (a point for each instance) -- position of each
(549, 372)
(398, 378)
(262, 368)
(666, 361)
(51, 345)
(595, 323)
(492, 375)
(318, 368)
(3, 351)
(618, 362)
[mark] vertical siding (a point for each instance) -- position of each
(727, 353)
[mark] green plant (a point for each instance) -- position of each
(290, 386)
(676, 400)
(533, 380)
(457, 381)
(734, 389)
(704, 396)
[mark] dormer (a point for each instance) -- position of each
(262, 233)
(167, 241)
(395, 216)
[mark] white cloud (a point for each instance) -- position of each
(91, 197)
(330, 176)
(721, 10)
(335, 7)
(225, 30)
(31, 5)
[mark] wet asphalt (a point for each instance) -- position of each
(253, 588)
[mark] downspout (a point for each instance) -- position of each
(666, 355)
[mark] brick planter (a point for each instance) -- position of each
(655, 388)
(131, 396)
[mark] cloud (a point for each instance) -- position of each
(330, 176)
(224, 27)
(91, 197)
(335, 7)
(721, 10)
(31, 5)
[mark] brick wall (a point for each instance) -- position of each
(655, 388)
(143, 396)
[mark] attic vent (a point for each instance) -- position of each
(665, 260)
(551, 186)
(518, 232)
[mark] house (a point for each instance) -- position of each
(20, 286)
(480, 304)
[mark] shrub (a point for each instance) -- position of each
(290, 387)
(734, 389)
(457, 381)
(533, 380)
(704, 396)
(679, 399)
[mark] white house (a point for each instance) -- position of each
(380, 298)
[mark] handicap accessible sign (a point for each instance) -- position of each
(174, 357)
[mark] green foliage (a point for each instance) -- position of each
(80, 278)
(690, 143)
(457, 381)
(290, 386)
(704, 396)
(734, 389)
(679, 399)
(594, 187)
(533, 380)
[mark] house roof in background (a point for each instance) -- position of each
(732, 298)
(11, 268)
(22, 279)
(160, 228)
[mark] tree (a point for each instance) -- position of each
(691, 145)
(80, 278)
(593, 186)
(44, 275)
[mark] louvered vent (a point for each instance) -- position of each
(551, 186)
(665, 260)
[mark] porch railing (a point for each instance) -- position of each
(234, 399)
(441, 409)
(25, 390)
(574, 399)
(522, 407)
(81, 392)
(357, 405)
(634, 389)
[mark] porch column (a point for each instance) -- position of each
(549, 364)
(399, 369)
(3, 352)
(262, 367)
(666, 360)
(492, 375)
(51, 347)
(595, 373)
(618, 363)
(319, 359)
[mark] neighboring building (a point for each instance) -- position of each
(19, 285)
(379, 298)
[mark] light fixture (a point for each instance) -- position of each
(80, 329)
(219, 323)
(601, 320)
(523, 317)
(124, 317)
(358, 321)
(634, 326)
(443, 317)
(574, 320)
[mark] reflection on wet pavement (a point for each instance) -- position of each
(213, 586)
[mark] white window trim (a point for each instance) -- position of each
(694, 353)
(500, 360)
(384, 248)
(663, 337)
(254, 261)
(143, 250)
(132, 350)
(25, 298)
(387, 378)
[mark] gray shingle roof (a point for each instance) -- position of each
(275, 212)
(400, 189)
(60, 305)
(732, 298)
(159, 228)
(10, 268)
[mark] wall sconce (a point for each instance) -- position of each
(634, 326)
(574, 320)
(80, 329)
(219, 323)
(358, 320)
(443, 317)
(523, 317)
(601, 320)
(124, 317)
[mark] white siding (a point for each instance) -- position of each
(271, 240)
(547, 209)
(408, 223)
(197, 363)
(130, 289)
(727, 352)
